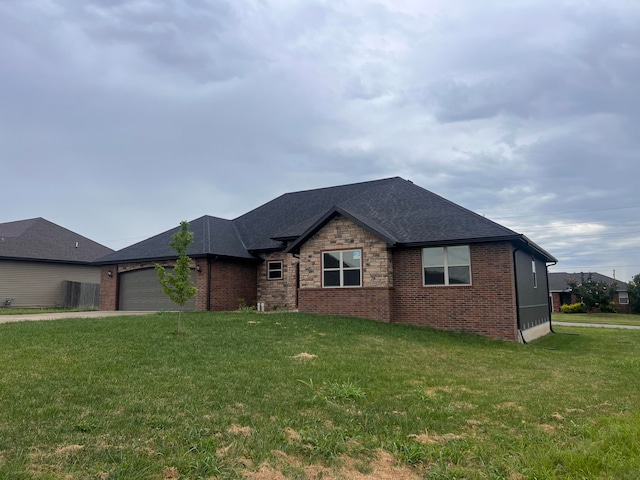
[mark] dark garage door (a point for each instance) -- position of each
(140, 290)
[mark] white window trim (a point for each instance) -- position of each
(281, 270)
(341, 269)
(533, 270)
(446, 269)
(625, 298)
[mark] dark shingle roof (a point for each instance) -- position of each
(395, 209)
(211, 236)
(42, 240)
(558, 280)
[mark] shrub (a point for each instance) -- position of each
(573, 308)
(608, 308)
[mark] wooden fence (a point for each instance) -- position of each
(80, 295)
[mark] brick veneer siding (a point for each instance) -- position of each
(109, 288)
(279, 293)
(373, 299)
(373, 303)
(487, 307)
(232, 281)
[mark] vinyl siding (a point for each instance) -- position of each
(34, 284)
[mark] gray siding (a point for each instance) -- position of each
(139, 290)
(533, 302)
(34, 284)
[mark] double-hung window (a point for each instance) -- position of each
(446, 265)
(274, 270)
(342, 268)
(533, 271)
(623, 298)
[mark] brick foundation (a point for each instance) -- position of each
(373, 303)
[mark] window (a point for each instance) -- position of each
(446, 265)
(623, 298)
(533, 270)
(274, 270)
(342, 268)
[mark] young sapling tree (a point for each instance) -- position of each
(177, 285)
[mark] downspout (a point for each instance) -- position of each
(549, 297)
(515, 281)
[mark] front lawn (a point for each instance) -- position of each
(606, 318)
(302, 396)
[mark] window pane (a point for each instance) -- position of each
(332, 260)
(458, 255)
(433, 256)
(434, 276)
(275, 274)
(351, 259)
(459, 276)
(332, 278)
(352, 278)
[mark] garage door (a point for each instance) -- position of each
(140, 290)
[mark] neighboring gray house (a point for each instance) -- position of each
(561, 294)
(37, 256)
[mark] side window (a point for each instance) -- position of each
(274, 270)
(623, 298)
(533, 271)
(446, 265)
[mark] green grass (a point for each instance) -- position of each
(606, 318)
(312, 397)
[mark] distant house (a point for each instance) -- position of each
(37, 256)
(561, 291)
(387, 250)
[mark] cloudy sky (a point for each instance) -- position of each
(119, 118)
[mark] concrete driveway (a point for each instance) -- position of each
(60, 315)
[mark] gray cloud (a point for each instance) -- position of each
(121, 118)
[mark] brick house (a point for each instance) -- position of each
(387, 250)
(561, 293)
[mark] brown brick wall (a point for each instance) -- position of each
(232, 281)
(487, 307)
(109, 288)
(278, 294)
(373, 303)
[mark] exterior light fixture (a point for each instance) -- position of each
(110, 273)
(198, 269)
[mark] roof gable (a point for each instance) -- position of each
(41, 240)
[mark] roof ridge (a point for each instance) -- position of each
(314, 190)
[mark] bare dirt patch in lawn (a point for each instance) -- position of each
(304, 356)
(384, 467)
(239, 430)
(428, 438)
